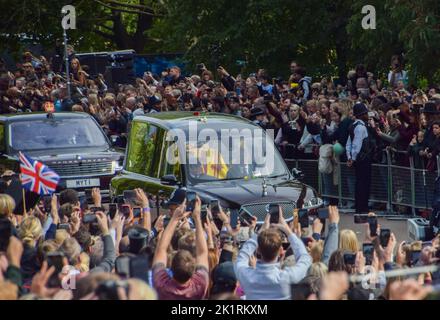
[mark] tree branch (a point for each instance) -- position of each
(103, 34)
(127, 10)
(130, 5)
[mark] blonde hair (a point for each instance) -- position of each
(318, 269)
(142, 290)
(84, 264)
(30, 230)
(7, 205)
(348, 240)
(60, 236)
(316, 251)
(345, 106)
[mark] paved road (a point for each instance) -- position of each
(398, 227)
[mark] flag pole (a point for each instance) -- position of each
(24, 202)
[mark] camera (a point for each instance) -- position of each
(108, 290)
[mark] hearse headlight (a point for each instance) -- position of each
(116, 166)
(313, 203)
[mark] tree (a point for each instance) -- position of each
(101, 24)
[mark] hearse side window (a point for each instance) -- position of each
(145, 149)
(171, 152)
(2, 138)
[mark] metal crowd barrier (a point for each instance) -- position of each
(391, 185)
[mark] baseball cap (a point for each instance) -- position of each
(177, 197)
(224, 278)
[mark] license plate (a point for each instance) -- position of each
(81, 183)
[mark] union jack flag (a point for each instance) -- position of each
(37, 177)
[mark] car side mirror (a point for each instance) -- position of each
(297, 174)
(114, 139)
(169, 180)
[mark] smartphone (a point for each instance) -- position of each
(5, 234)
(274, 211)
(96, 209)
(234, 219)
(130, 197)
(122, 266)
(286, 245)
(139, 267)
(55, 259)
(323, 213)
(349, 258)
(246, 217)
(384, 237)
(88, 194)
(47, 203)
(83, 203)
(125, 210)
(166, 220)
(303, 218)
(368, 251)
(90, 218)
(136, 212)
(190, 200)
(372, 221)
(64, 226)
(112, 209)
(214, 205)
(204, 215)
(415, 256)
(360, 218)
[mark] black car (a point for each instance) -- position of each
(72, 144)
(241, 186)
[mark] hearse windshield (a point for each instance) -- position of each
(232, 157)
(55, 134)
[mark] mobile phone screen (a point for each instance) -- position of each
(303, 218)
(112, 209)
(130, 197)
(125, 210)
(360, 218)
(90, 218)
(139, 268)
(274, 211)
(215, 207)
(234, 219)
(88, 194)
(384, 237)
(323, 213)
(55, 259)
(204, 216)
(368, 251)
(190, 200)
(136, 212)
(372, 221)
(349, 258)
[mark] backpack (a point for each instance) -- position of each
(325, 162)
(369, 144)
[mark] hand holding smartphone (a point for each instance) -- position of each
(274, 211)
(190, 200)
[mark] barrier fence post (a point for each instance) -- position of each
(413, 186)
(389, 182)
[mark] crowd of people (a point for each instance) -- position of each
(177, 255)
(64, 249)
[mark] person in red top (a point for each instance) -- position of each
(190, 276)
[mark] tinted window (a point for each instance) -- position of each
(2, 138)
(145, 149)
(171, 167)
(55, 134)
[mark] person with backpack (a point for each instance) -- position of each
(304, 83)
(359, 155)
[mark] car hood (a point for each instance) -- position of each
(235, 193)
(64, 155)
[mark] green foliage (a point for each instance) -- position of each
(323, 35)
